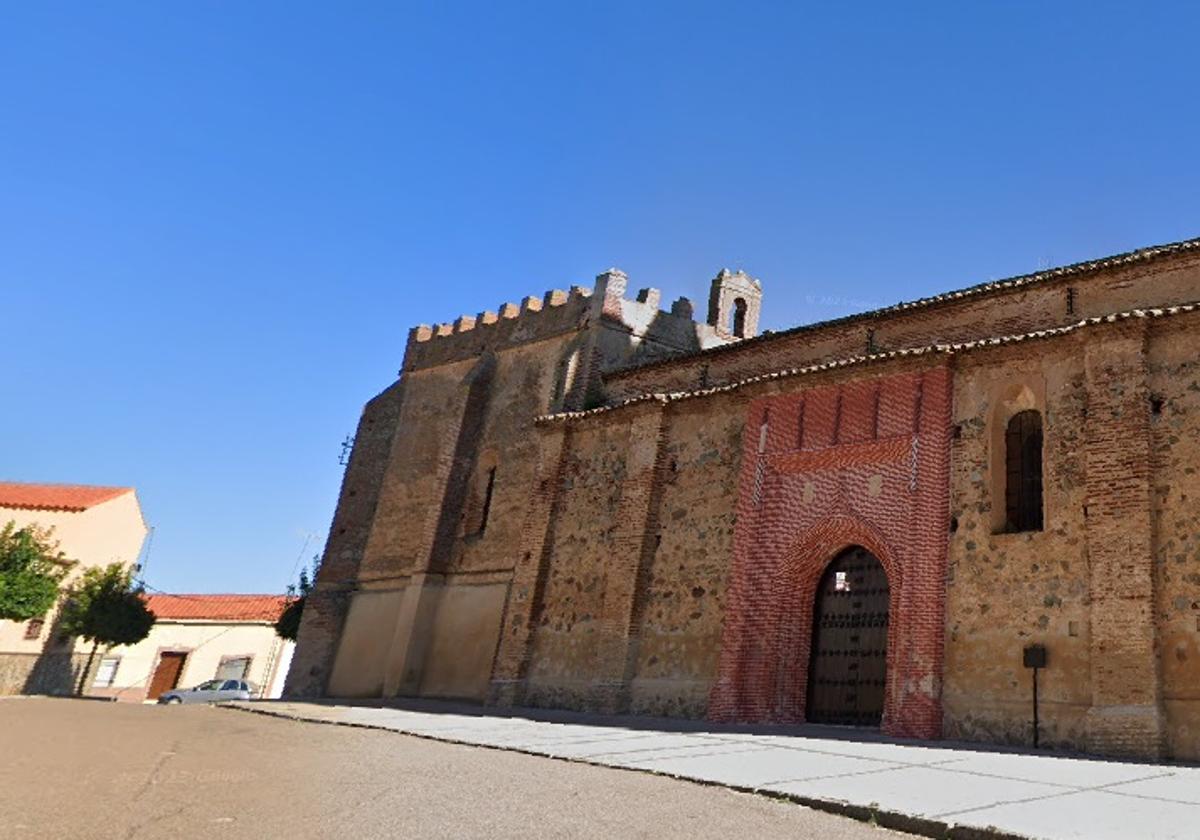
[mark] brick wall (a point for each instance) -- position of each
(1126, 715)
(860, 463)
(325, 609)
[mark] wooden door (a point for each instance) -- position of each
(848, 669)
(166, 675)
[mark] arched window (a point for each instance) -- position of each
(739, 317)
(1023, 472)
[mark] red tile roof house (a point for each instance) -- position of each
(94, 526)
(198, 638)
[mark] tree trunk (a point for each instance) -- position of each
(87, 669)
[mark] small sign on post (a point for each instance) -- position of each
(1035, 658)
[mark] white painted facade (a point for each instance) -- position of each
(207, 644)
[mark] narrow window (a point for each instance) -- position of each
(1023, 473)
(564, 380)
(33, 630)
(760, 467)
(739, 317)
(487, 500)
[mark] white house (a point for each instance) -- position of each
(93, 526)
(198, 638)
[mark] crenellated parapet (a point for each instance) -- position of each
(533, 319)
(638, 328)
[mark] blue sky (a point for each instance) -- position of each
(219, 220)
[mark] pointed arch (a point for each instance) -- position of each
(796, 582)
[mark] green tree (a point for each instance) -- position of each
(288, 625)
(31, 569)
(104, 607)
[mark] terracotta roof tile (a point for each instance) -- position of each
(1140, 255)
(855, 361)
(70, 497)
(217, 607)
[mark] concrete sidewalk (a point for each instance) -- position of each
(928, 788)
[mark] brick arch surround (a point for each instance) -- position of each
(796, 586)
(860, 463)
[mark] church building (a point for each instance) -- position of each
(898, 519)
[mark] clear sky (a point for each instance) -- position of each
(219, 220)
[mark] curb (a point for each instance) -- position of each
(895, 820)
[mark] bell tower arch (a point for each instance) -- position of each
(734, 302)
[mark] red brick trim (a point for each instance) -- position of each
(862, 463)
(797, 581)
(847, 455)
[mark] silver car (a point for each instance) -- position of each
(212, 691)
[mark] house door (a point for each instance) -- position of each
(166, 675)
(849, 648)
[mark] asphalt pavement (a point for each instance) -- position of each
(85, 769)
(937, 788)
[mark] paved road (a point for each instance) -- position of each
(1043, 796)
(80, 769)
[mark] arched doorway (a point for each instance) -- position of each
(848, 667)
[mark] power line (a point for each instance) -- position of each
(303, 548)
(145, 559)
(157, 591)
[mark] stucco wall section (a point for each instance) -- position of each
(366, 641)
(110, 532)
(206, 643)
(463, 640)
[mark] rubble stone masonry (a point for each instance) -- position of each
(585, 501)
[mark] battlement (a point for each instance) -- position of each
(533, 319)
(558, 312)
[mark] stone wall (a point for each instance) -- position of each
(569, 627)
(1111, 586)
(682, 594)
(1004, 590)
(1112, 612)
(432, 513)
(1174, 420)
(617, 606)
(661, 556)
(49, 672)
